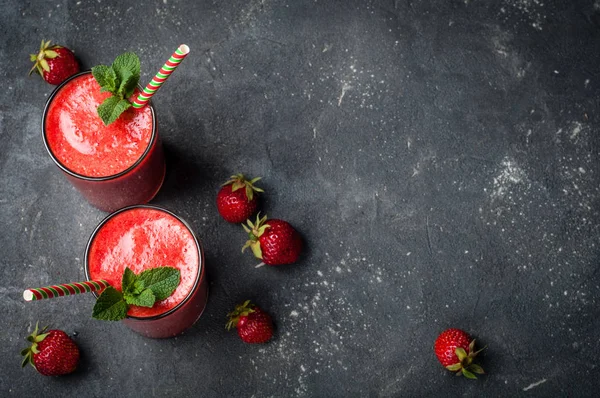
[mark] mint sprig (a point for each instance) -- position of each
(142, 290)
(119, 79)
(110, 305)
(159, 281)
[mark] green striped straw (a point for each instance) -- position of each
(162, 75)
(66, 289)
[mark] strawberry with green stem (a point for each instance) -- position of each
(254, 326)
(456, 350)
(54, 63)
(52, 352)
(237, 200)
(275, 242)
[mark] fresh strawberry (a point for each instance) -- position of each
(456, 350)
(253, 324)
(275, 242)
(52, 353)
(54, 63)
(236, 204)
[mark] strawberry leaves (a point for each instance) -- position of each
(240, 310)
(238, 181)
(141, 290)
(255, 231)
(54, 63)
(465, 366)
(119, 79)
(476, 369)
(461, 354)
(34, 338)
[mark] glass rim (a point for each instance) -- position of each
(185, 224)
(81, 176)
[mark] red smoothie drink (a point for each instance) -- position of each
(113, 166)
(145, 237)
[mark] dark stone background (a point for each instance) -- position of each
(439, 158)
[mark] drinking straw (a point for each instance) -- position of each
(66, 289)
(162, 75)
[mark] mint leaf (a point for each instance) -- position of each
(110, 306)
(134, 291)
(112, 108)
(162, 281)
(121, 107)
(144, 299)
(128, 83)
(106, 78)
(120, 79)
(127, 62)
(130, 283)
(138, 286)
(128, 280)
(106, 108)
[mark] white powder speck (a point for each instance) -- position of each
(294, 313)
(576, 130)
(510, 174)
(533, 385)
(525, 11)
(338, 270)
(319, 273)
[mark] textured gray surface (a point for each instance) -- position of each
(440, 160)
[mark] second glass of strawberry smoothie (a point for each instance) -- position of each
(113, 166)
(145, 237)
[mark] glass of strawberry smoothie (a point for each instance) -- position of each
(143, 237)
(113, 166)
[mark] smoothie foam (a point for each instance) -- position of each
(142, 238)
(82, 143)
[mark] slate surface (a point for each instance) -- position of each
(439, 158)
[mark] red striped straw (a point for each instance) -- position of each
(66, 289)
(162, 75)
